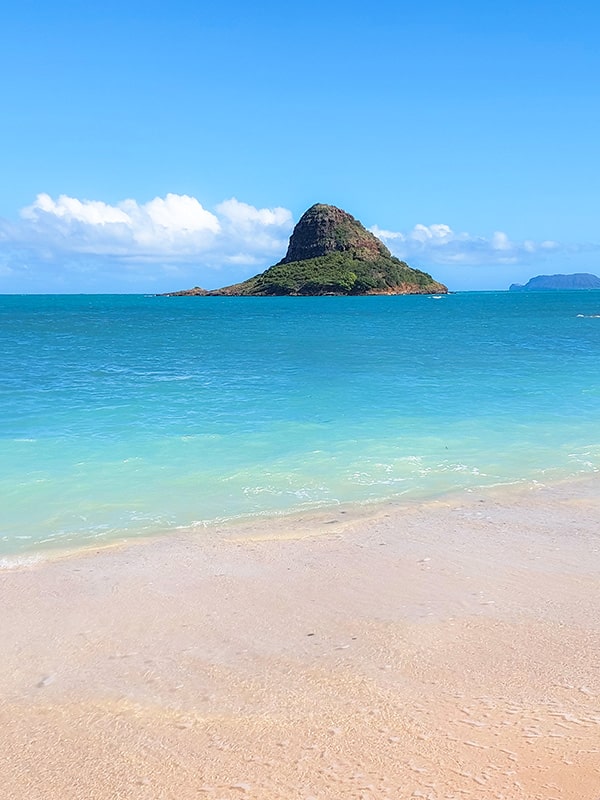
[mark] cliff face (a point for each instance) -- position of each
(326, 229)
(579, 280)
(330, 252)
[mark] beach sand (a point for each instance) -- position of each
(443, 650)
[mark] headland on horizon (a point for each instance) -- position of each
(574, 281)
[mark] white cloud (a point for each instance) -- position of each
(176, 226)
(263, 230)
(242, 258)
(439, 244)
(70, 209)
(500, 241)
(130, 240)
(245, 216)
(176, 213)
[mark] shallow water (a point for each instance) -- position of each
(128, 415)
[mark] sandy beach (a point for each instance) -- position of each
(442, 650)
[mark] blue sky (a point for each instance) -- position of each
(154, 146)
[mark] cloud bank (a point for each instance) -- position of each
(439, 244)
(174, 242)
(175, 228)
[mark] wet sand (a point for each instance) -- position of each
(445, 650)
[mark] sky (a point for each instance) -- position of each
(150, 147)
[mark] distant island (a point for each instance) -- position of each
(331, 253)
(544, 283)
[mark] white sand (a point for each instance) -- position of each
(448, 650)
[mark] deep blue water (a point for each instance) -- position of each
(123, 415)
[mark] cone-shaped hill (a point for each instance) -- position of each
(330, 252)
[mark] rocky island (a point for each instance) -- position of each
(579, 280)
(331, 253)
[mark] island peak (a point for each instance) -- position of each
(324, 229)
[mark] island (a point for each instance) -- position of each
(331, 253)
(544, 283)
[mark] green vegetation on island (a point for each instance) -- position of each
(338, 273)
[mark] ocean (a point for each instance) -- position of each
(130, 415)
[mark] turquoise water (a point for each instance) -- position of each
(128, 415)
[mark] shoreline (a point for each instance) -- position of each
(443, 649)
(309, 517)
